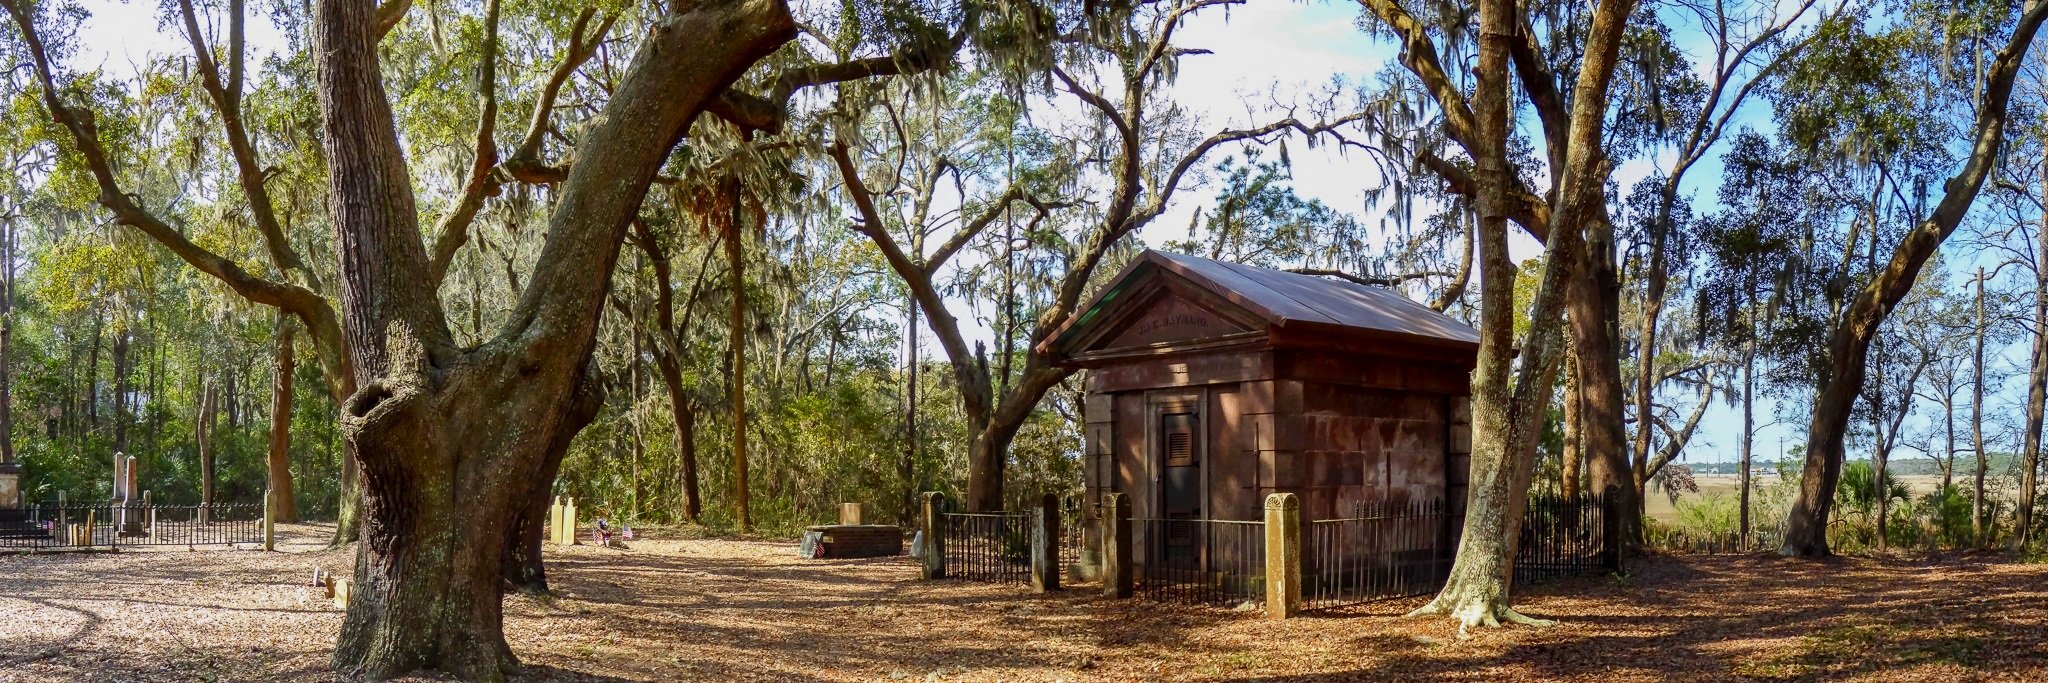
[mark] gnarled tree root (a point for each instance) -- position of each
(1477, 610)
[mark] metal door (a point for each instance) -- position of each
(1179, 445)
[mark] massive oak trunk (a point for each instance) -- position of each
(454, 442)
(1849, 345)
(522, 566)
(1593, 297)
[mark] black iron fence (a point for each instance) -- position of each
(987, 546)
(1199, 561)
(1385, 550)
(1664, 539)
(1382, 550)
(1393, 550)
(1564, 537)
(51, 526)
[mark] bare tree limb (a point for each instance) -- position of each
(227, 101)
(388, 16)
(1371, 280)
(973, 377)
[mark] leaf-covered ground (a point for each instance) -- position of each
(720, 610)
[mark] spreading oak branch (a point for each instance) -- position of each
(318, 315)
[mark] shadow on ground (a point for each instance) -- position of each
(721, 610)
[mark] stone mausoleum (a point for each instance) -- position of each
(1211, 385)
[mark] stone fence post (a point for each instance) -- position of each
(1118, 580)
(1283, 555)
(269, 523)
(1045, 545)
(934, 527)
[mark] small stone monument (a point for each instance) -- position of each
(10, 485)
(850, 537)
(127, 515)
(562, 521)
(14, 521)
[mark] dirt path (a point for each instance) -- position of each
(721, 610)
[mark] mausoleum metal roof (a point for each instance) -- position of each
(1287, 300)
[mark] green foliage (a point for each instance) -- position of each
(1259, 220)
(1857, 490)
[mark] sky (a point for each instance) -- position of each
(1264, 47)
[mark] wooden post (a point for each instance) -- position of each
(1283, 555)
(1045, 545)
(1118, 580)
(934, 566)
(269, 522)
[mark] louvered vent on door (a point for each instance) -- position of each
(1178, 434)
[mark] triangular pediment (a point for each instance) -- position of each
(1169, 318)
(1155, 310)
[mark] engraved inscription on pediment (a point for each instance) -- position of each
(1171, 319)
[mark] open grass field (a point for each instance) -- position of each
(731, 610)
(1659, 507)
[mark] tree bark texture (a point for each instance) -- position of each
(1593, 296)
(1748, 435)
(1849, 344)
(522, 567)
(1570, 461)
(685, 410)
(736, 329)
(283, 506)
(454, 442)
(202, 431)
(1507, 413)
(2037, 405)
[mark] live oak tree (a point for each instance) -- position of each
(453, 439)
